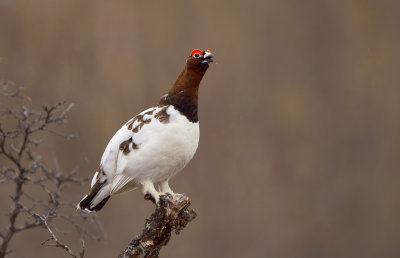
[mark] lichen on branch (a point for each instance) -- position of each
(172, 214)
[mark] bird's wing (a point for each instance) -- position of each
(124, 147)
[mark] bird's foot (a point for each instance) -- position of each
(155, 199)
(150, 193)
(166, 193)
(149, 197)
(165, 189)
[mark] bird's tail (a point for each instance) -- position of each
(96, 198)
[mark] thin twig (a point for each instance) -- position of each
(58, 243)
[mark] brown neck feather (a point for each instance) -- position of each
(184, 94)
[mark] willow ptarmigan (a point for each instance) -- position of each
(155, 145)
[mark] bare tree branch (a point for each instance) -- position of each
(172, 214)
(18, 139)
(58, 243)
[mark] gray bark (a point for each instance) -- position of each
(172, 214)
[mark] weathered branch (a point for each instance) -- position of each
(172, 214)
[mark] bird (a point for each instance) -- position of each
(152, 147)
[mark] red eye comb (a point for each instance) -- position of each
(196, 51)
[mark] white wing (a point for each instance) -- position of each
(114, 161)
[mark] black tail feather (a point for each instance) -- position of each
(86, 202)
(100, 205)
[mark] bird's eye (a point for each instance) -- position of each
(196, 53)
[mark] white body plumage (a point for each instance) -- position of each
(156, 152)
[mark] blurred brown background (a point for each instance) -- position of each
(299, 116)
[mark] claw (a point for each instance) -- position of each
(150, 192)
(149, 197)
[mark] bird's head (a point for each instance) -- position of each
(199, 59)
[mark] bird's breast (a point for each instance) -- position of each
(165, 148)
